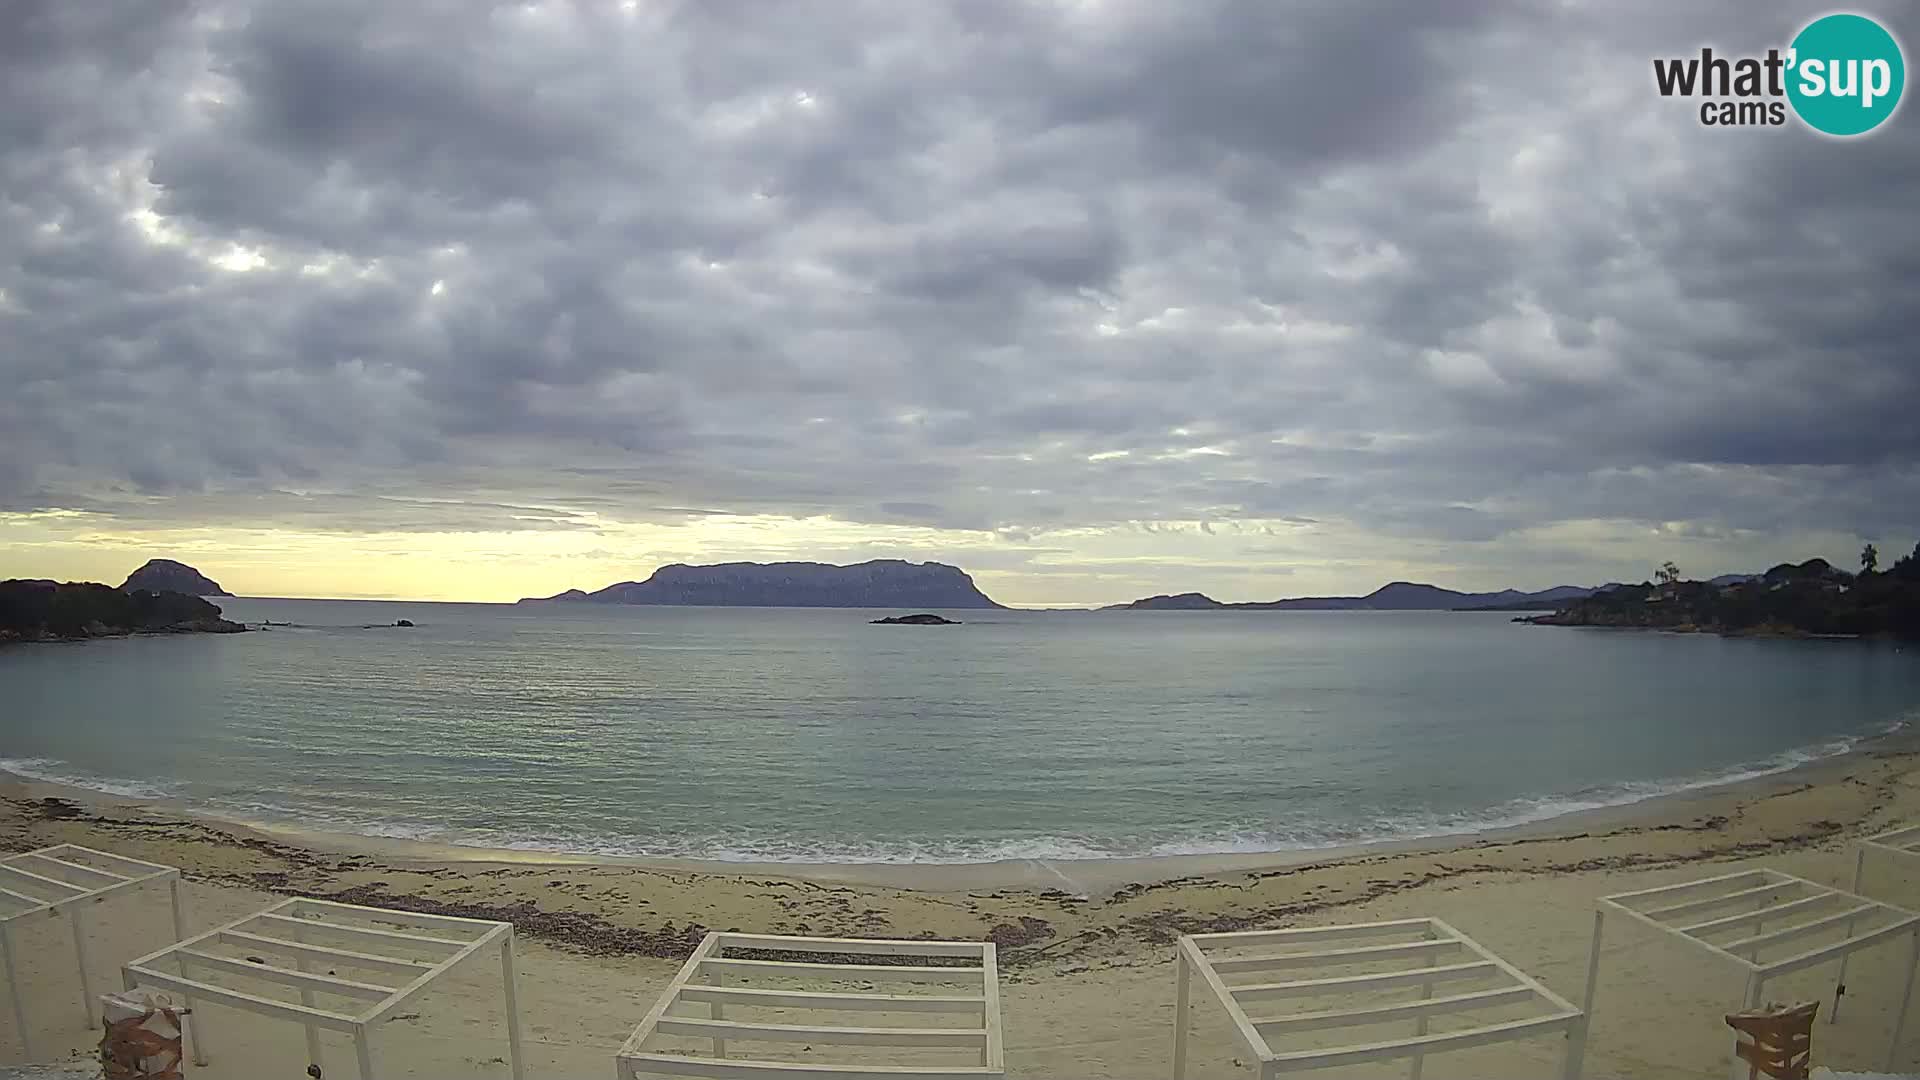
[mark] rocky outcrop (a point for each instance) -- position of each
(165, 575)
(881, 583)
(922, 619)
(1186, 601)
(42, 611)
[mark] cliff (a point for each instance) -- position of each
(165, 575)
(879, 583)
(44, 611)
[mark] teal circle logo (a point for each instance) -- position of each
(1845, 74)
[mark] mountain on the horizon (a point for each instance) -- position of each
(877, 583)
(166, 575)
(1394, 596)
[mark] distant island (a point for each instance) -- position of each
(166, 575)
(1395, 596)
(32, 610)
(880, 583)
(1791, 600)
(922, 619)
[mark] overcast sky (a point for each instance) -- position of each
(1095, 298)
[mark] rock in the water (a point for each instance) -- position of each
(165, 575)
(922, 619)
(403, 622)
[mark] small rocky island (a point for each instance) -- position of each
(166, 575)
(922, 619)
(35, 610)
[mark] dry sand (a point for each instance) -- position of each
(1088, 978)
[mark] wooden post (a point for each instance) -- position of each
(1576, 1051)
(714, 1010)
(1182, 981)
(306, 999)
(1906, 999)
(1840, 980)
(1593, 963)
(11, 955)
(1420, 1028)
(176, 895)
(77, 916)
(177, 902)
(195, 1024)
(516, 1058)
(363, 1045)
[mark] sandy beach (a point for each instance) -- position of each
(1086, 948)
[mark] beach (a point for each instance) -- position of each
(1087, 961)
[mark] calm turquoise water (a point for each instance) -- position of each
(809, 735)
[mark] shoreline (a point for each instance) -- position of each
(1087, 981)
(1089, 877)
(1085, 878)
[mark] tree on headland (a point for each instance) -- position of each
(1907, 566)
(1869, 559)
(1792, 599)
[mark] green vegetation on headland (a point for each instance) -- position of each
(50, 611)
(1790, 600)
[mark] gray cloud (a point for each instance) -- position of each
(1446, 273)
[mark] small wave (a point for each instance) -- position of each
(1264, 839)
(1528, 811)
(1396, 828)
(53, 771)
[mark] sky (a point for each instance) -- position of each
(452, 299)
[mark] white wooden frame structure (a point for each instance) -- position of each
(1446, 955)
(1898, 842)
(1903, 842)
(67, 879)
(1728, 916)
(719, 981)
(388, 968)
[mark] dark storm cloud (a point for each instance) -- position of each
(1443, 271)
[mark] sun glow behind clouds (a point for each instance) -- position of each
(542, 552)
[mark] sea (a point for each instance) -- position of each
(809, 735)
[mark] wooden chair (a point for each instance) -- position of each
(1776, 1043)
